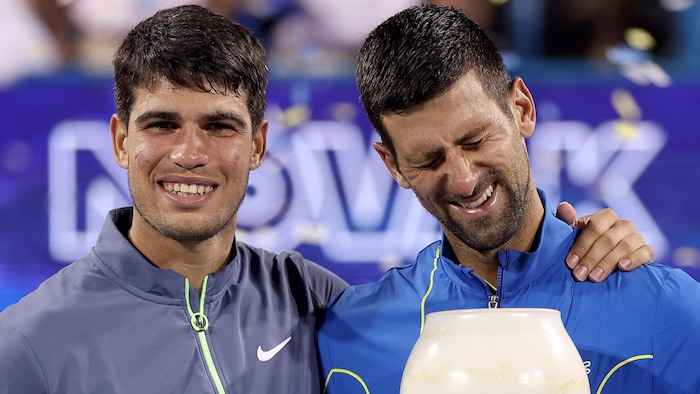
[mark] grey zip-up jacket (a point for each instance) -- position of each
(112, 322)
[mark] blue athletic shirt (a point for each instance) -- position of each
(113, 323)
(637, 332)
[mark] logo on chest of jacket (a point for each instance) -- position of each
(267, 355)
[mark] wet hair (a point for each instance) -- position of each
(418, 54)
(191, 47)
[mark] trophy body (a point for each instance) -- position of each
(503, 350)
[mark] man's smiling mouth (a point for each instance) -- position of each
(186, 189)
(475, 204)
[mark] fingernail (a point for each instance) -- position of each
(571, 261)
(597, 274)
(625, 264)
(581, 273)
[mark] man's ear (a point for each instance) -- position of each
(119, 146)
(390, 162)
(259, 145)
(523, 106)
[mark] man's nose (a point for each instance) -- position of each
(190, 148)
(461, 175)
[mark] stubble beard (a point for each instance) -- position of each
(488, 232)
(207, 227)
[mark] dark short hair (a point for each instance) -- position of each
(420, 53)
(193, 47)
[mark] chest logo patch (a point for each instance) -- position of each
(266, 355)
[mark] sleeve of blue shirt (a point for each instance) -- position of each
(338, 380)
(677, 366)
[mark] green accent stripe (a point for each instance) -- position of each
(187, 297)
(430, 289)
(202, 335)
(620, 365)
(210, 363)
(345, 372)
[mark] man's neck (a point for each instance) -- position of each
(193, 260)
(485, 263)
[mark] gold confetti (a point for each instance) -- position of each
(625, 105)
(296, 115)
(626, 130)
(639, 39)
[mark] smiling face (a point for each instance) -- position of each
(188, 154)
(466, 161)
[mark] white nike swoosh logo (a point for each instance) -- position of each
(266, 355)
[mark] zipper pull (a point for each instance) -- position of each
(493, 301)
(199, 321)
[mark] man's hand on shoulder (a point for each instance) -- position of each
(605, 243)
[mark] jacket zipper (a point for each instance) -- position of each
(494, 298)
(200, 323)
(493, 301)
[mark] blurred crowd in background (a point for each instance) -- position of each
(320, 37)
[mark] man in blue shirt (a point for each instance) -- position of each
(453, 126)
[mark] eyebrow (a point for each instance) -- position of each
(465, 139)
(228, 116)
(471, 134)
(208, 118)
(149, 115)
